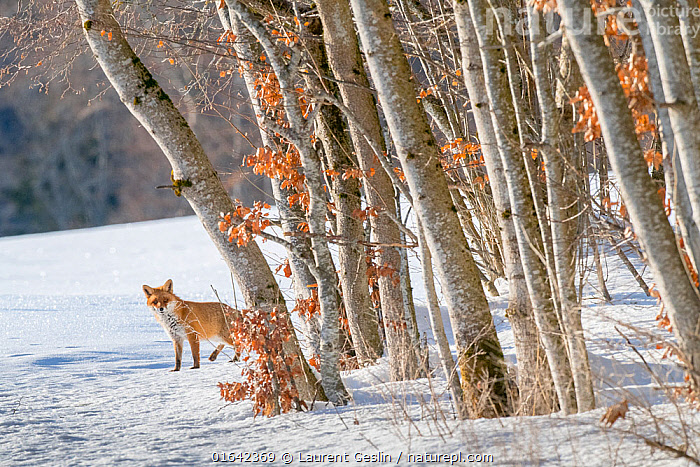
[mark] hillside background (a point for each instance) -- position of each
(72, 156)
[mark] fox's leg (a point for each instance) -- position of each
(230, 342)
(194, 345)
(216, 352)
(178, 355)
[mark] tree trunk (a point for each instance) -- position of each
(522, 205)
(299, 134)
(638, 191)
(689, 23)
(407, 288)
(480, 355)
(561, 197)
(443, 346)
(675, 185)
(679, 95)
(346, 63)
(155, 111)
(331, 131)
(330, 377)
(362, 320)
(290, 216)
(534, 376)
(573, 147)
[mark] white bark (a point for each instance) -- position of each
(679, 95)
(299, 135)
(346, 63)
(443, 346)
(638, 191)
(560, 196)
(690, 23)
(331, 131)
(522, 205)
(480, 355)
(290, 217)
(534, 376)
(675, 180)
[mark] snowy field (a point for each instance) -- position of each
(84, 374)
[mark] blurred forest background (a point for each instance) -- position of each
(72, 156)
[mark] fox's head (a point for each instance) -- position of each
(159, 297)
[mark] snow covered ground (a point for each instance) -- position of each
(84, 374)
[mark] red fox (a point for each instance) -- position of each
(192, 320)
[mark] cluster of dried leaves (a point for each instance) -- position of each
(242, 225)
(268, 371)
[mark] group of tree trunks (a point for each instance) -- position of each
(475, 128)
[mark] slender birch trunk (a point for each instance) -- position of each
(290, 216)
(534, 377)
(346, 64)
(409, 307)
(646, 212)
(362, 320)
(561, 196)
(677, 85)
(147, 101)
(330, 376)
(524, 134)
(443, 346)
(480, 354)
(690, 26)
(331, 131)
(675, 185)
(573, 146)
(299, 133)
(522, 205)
(537, 188)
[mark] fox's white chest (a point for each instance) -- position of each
(170, 322)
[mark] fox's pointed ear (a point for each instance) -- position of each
(168, 286)
(147, 290)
